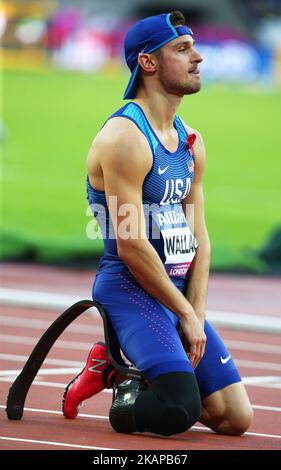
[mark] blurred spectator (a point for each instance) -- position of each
(255, 10)
(264, 16)
(85, 50)
(30, 30)
(60, 26)
(269, 32)
(3, 22)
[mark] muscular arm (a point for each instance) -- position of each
(193, 205)
(125, 159)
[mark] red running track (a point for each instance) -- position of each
(43, 426)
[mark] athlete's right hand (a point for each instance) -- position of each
(195, 337)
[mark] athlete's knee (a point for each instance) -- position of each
(239, 423)
(179, 403)
(233, 422)
(176, 419)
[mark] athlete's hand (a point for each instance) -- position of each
(194, 336)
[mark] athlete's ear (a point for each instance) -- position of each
(148, 62)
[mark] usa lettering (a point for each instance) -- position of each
(175, 191)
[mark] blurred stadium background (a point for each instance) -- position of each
(63, 73)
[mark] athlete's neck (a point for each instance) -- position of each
(160, 109)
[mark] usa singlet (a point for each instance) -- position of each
(166, 185)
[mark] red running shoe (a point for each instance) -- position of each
(95, 377)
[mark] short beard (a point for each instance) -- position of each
(176, 88)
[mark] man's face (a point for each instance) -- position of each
(179, 66)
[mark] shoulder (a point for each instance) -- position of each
(118, 133)
(120, 142)
(199, 142)
(199, 150)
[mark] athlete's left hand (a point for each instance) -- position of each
(193, 338)
(187, 347)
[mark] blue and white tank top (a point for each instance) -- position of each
(165, 186)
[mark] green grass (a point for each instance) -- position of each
(51, 118)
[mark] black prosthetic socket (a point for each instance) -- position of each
(171, 405)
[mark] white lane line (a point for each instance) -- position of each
(54, 362)
(258, 365)
(230, 320)
(266, 385)
(78, 364)
(252, 346)
(83, 415)
(75, 364)
(35, 299)
(42, 372)
(38, 410)
(251, 380)
(98, 329)
(244, 321)
(81, 346)
(267, 381)
(58, 344)
(275, 436)
(36, 382)
(201, 428)
(261, 379)
(51, 443)
(43, 383)
(267, 408)
(36, 324)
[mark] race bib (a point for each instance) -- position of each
(179, 242)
